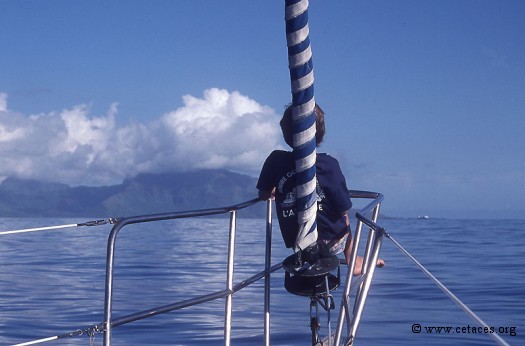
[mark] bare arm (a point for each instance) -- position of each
(345, 214)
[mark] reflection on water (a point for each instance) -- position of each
(53, 282)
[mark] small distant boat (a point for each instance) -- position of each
(423, 217)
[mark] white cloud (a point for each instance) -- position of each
(220, 130)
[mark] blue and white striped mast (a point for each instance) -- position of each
(303, 104)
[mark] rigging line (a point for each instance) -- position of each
(39, 341)
(79, 332)
(47, 228)
(498, 339)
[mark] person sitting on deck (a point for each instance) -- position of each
(277, 181)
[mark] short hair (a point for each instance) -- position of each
(287, 125)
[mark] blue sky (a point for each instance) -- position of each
(424, 100)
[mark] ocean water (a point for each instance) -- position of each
(52, 283)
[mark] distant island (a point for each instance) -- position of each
(143, 194)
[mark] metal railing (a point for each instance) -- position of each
(109, 322)
(350, 311)
(227, 293)
(361, 284)
(372, 250)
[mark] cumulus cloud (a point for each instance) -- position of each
(221, 129)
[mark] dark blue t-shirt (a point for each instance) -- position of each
(333, 198)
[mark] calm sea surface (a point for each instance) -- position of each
(52, 283)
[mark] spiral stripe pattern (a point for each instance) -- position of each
(303, 103)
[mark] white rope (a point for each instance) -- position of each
(34, 342)
(27, 230)
(498, 339)
(47, 228)
(89, 332)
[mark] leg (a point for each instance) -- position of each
(359, 259)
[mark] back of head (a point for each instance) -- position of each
(287, 125)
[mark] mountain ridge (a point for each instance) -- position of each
(146, 193)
